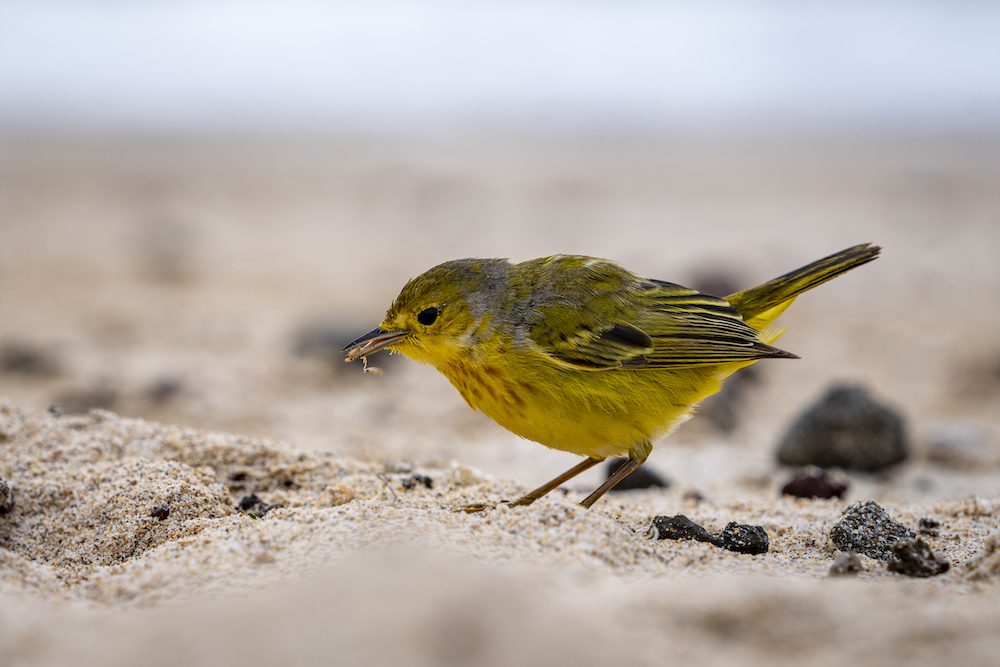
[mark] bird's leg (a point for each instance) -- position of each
(637, 455)
(532, 496)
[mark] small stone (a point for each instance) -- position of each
(736, 537)
(928, 527)
(160, 513)
(6, 497)
(814, 485)
(846, 563)
(680, 527)
(253, 506)
(866, 528)
(694, 496)
(744, 539)
(27, 360)
(413, 480)
(915, 558)
(641, 478)
(846, 429)
(164, 389)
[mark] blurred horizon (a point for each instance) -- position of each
(722, 68)
(201, 202)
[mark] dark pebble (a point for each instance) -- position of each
(814, 485)
(164, 389)
(253, 506)
(6, 497)
(736, 537)
(160, 513)
(915, 558)
(680, 527)
(846, 429)
(694, 496)
(413, 480)
(744, 539)
(866, 528)
(845, 563)
(27, 360)
(641, 478)
(928, 526)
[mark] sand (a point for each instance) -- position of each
(176, 285)
(356, 565)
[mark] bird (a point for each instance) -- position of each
(581, 355)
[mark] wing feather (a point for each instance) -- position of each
(635, 324)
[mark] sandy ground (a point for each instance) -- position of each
(199, 283)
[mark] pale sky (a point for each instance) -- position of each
(373, 64)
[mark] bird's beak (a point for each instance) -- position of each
(372, 342)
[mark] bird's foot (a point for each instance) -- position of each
(482, 507)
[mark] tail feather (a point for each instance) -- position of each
(760, 305)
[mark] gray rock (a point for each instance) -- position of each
(867, 529)
(846, 429)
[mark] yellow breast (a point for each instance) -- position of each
(591, 413)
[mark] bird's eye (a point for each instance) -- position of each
(427, 316)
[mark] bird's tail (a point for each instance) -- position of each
(761, 305)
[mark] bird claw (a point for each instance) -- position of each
(482, 507)
(477, 507)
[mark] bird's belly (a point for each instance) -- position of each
(591, 413)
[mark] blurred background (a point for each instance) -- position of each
(201, 202)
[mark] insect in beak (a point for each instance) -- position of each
(372, 342)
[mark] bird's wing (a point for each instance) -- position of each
(655, 324)
(689, 328)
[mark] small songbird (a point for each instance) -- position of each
(581, 355)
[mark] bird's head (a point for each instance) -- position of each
(440, 313)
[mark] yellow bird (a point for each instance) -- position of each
(581, 355)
